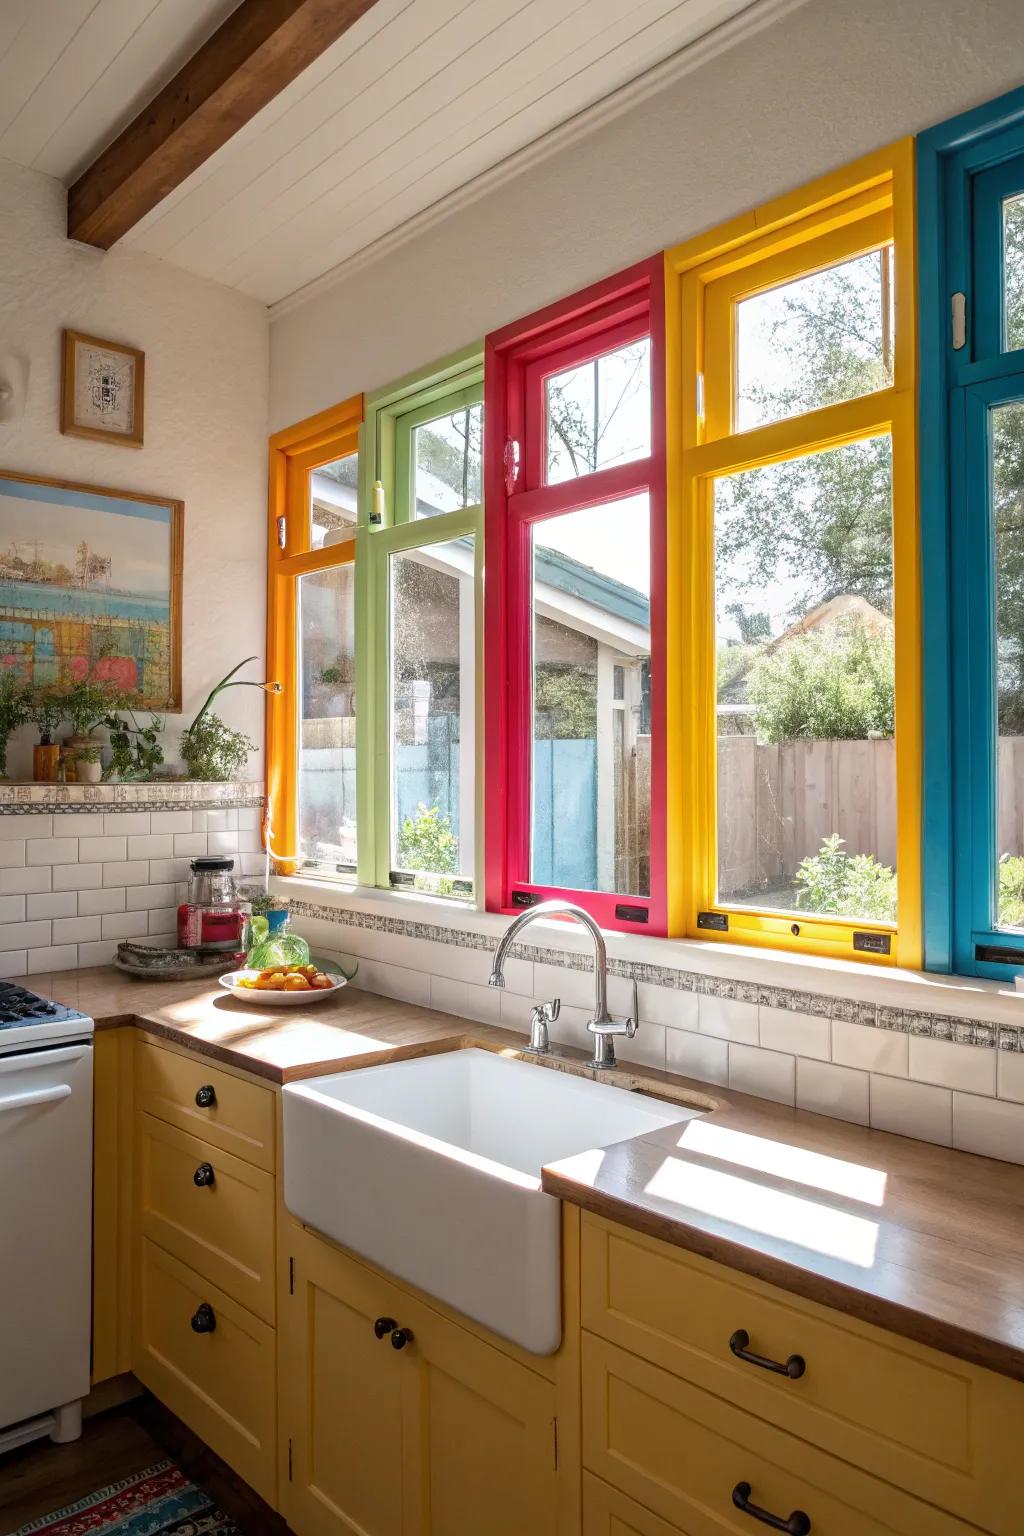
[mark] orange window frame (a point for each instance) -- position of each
(294, 453)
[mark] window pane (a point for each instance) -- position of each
(332, 502)
(599, 413)
(815, 341)
(1007, 437)
(591, 808)
(433, 707)
(806, 756)
(448, 462)
(327, 722)
(1013, 271)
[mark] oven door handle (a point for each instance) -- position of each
(36, 1096)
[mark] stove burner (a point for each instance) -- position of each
(20, 1006)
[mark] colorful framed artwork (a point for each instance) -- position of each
(103, 390)
(90, 586)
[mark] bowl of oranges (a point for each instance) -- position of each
(282, 985)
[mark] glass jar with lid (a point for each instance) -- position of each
(210, 917)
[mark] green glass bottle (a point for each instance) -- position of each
(272, 944)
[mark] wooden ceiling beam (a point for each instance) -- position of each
(258, 50)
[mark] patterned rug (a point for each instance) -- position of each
(157, 1502)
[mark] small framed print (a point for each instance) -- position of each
(103, 389)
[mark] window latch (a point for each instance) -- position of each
(282, 532)
(959, 321)
(511, 457)
(700, 397)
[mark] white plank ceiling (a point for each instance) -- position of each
(416, 100)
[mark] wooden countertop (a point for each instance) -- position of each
(918, 1239)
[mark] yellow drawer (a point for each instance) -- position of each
(229, 1112)
(607, 1512)
(222, 1226)
(220, 1382)
(927, 1422)
(682, 1452)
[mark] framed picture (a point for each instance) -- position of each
(90, 586)
(102, 395)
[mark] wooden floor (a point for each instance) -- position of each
(42, 1477)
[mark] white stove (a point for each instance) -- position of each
(45, 1216)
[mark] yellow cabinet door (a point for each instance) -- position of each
(446, 1436)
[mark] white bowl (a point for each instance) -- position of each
(277, 999)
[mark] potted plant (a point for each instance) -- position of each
(14, 706)
(88, 764)
(211, 750)
(84, 705)
(46, 712)
(135, 751)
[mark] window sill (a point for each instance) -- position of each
(966, 997)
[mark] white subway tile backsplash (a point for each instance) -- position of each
(134, 872)
(77, 877)
(1010, 1079)
(23, 880)
(103, 848)
(666, 1005)
(647, 1047)
(167, 871)
(190, 845)
(101, 953)
(120, 823)
(874, 1050)
(162, 920)
(12, 853)
(768, 1074)
(482, 1003)
(249, 841)
(51, 850)
(222, 843)
(52, 904)
(171, 821)
(151, 845)
(168, 940)
(140, 897)
(912, 1109)
(252, 865)
(695, 1055)
(19, 827)
(95, 903)
(12, 962)
(249, 820)
(73, 930)
(395, 981)
(949, 1065)
(26, 935)
(76, 824)
(448, 996)
(12, 909)
(123, 925)
(826, 1089)
(990, 1127)
(802, 1034)
(56, 957)
(215, 821)
(729, 1019)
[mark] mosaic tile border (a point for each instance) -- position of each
(37, 799)
(907, 1021)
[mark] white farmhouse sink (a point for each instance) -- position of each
(431, 1169)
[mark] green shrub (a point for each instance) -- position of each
(833, 684)
(847, 885)
(427, 842)
(212, 751)
(1011, 891)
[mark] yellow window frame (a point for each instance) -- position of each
(294, 453)
(851, 211)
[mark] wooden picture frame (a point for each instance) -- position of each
(62, 585)
(96, 377)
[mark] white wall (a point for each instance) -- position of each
(206, 421)
(818, 87)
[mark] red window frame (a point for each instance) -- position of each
(517, 361)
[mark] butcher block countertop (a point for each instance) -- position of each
(919, 1239)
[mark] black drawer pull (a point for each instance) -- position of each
(798, 1524)
(206, 1096)
(204, 1319)
(794, 1367)
(203, 1176)
(400, 1338)
(383, 1326)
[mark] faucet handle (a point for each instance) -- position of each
(633, 1022)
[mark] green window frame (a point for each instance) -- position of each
(388, 526)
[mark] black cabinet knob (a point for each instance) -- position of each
(206, 1096)
(204, 1318)
(400, 1338)
(383, 1326)
(203, 1176)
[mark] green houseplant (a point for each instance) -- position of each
(212, 750)
(135, 751)
(14, 711)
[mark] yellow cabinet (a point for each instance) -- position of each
(446, 1436)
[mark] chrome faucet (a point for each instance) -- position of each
(602, 1026)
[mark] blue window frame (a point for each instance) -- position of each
(970, 172)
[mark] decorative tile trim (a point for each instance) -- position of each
(36, 799)
(906, 1021)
